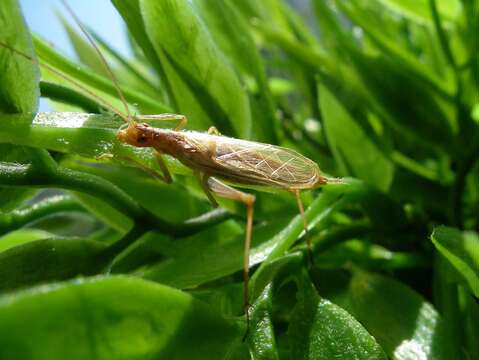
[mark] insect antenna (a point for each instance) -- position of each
(110, 73)
(66, 78)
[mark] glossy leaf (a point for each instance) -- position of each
(89, 135)
(202, 257)
(261, 338)
(461, 249)
(404, 324)
(90, 319)
(321, 330)
(22, 236)
(12, 197)
(49, 260)
(19, 89)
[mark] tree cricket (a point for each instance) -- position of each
(219, 162)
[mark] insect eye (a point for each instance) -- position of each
(141, 139)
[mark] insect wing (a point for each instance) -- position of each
(266, 163)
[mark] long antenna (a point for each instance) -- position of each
(102, 58)
(66, 78)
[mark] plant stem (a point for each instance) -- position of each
(442, 35)
(464, 167)
(194, 225)
(21, 217)
(69, 96)
(44, 172)
(448, 305)
(328, 239)
(186, 228)
(465, 163)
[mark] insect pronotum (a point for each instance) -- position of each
(217, 161)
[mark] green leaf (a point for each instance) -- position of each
(471, 324)
(232, 33)
(22, 236)
(49, 260)
(180, 95)
(96, 83)
(403, 323)
(388, 43)
(419, 11)
(89, 135)
(332, 198)
(130, 12)
(356, 154)
(221, 256)
(261, 338)
(111, 318)
(12, 197)
(369, 256)
(425, 121)
(180, 35)
(151, 193)
(84, 50)
(105, 213)
(321, 330)
(19, 90)
(461, 249)
(332, 35)
(134, 71)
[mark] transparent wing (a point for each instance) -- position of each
(266, 164)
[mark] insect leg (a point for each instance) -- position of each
(305, 224)
(228, 192)
(213, 131)
(165, 177)
(182, 120)
(163, 167)
(203, 178)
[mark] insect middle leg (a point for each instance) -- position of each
(218, 188)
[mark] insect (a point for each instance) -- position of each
(220, 163)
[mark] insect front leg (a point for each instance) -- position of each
(164, 176)
(227, 192)
(182, 120)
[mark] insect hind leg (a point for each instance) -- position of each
(227, 192)
(299, 202)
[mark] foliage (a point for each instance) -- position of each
(114, 264)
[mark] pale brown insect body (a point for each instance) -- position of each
(236, 161)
